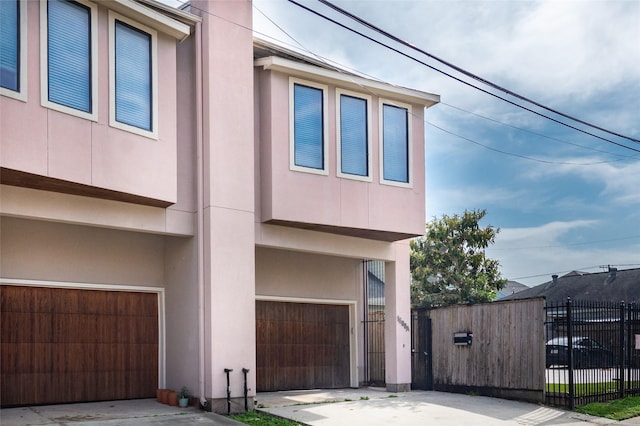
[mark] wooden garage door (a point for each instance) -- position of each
(301, 346)
(64, 345)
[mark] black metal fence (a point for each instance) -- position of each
(374, 360)
(592, 352)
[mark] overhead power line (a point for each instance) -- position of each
(456, 78)
(470, 74)
(342, 66)
(512, 154)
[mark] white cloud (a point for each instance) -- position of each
(543, 250)
(619, 180)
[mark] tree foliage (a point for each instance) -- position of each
(448, 264)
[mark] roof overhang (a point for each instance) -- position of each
(347, 80)
(158, 16)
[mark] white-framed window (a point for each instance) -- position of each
(69, 57)
(308, 146)
(395, 144)
(353, 136)
(13, 49)
(133, 82)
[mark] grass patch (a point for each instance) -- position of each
(619, 409)
(582, 389)
(256, 418)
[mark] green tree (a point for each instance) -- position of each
(448, 264)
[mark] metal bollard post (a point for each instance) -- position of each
(246, 389)
(227, 371)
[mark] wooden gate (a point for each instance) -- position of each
(301, 346)
(70, 345)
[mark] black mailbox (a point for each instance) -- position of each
(463, 339)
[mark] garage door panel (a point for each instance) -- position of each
(78, 350)
(301, 346)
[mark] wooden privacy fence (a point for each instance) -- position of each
(506, 357)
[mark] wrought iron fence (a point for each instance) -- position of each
(592, 352)
(373, 341)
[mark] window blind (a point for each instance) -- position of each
(395, 140)
(10, 45)
(308, 127)
(69, 54)
(133, 79)
(354, 151)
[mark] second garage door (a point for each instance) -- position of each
(301, 346)
(70, 345)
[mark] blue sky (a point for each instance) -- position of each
(574, 202)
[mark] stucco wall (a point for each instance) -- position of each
(306, 275)
(181, 309)
(328, 199)
(52, 251)
(42, 141)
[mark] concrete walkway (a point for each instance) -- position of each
(371, 406)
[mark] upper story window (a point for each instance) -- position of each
(308, 127)
(13, 25)
(132, 77)
(354, 147)
(395, 149)
(69, 56)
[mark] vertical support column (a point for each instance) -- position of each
(397, 321)
(621, 356)
(228, 201)
(570, 360)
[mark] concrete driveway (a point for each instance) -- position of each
(139, 412)
(353, 407)
(370, 406)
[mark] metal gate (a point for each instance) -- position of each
(373, 289)
(592, 352)
(421, 351)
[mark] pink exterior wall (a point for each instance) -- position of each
(35, 250)
(287, 273)
(330, 200)
(228, 234)
(41, 141)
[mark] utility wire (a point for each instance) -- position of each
(577, 269)
(536, 133)
(539, 160)
(567, 244)
(454, 77)
(326, 61)
(468, 73)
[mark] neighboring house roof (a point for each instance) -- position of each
(512, 287)
(610, 286)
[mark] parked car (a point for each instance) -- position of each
(587, 353)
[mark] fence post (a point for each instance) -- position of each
(622, 351)
(572, 402)
(629, 345)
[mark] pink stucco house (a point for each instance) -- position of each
(178, 199)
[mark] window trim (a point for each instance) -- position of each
(369, 176)
(384, 181)
(153, 133)
(325, 127)
(21, 93)
(44, 55)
